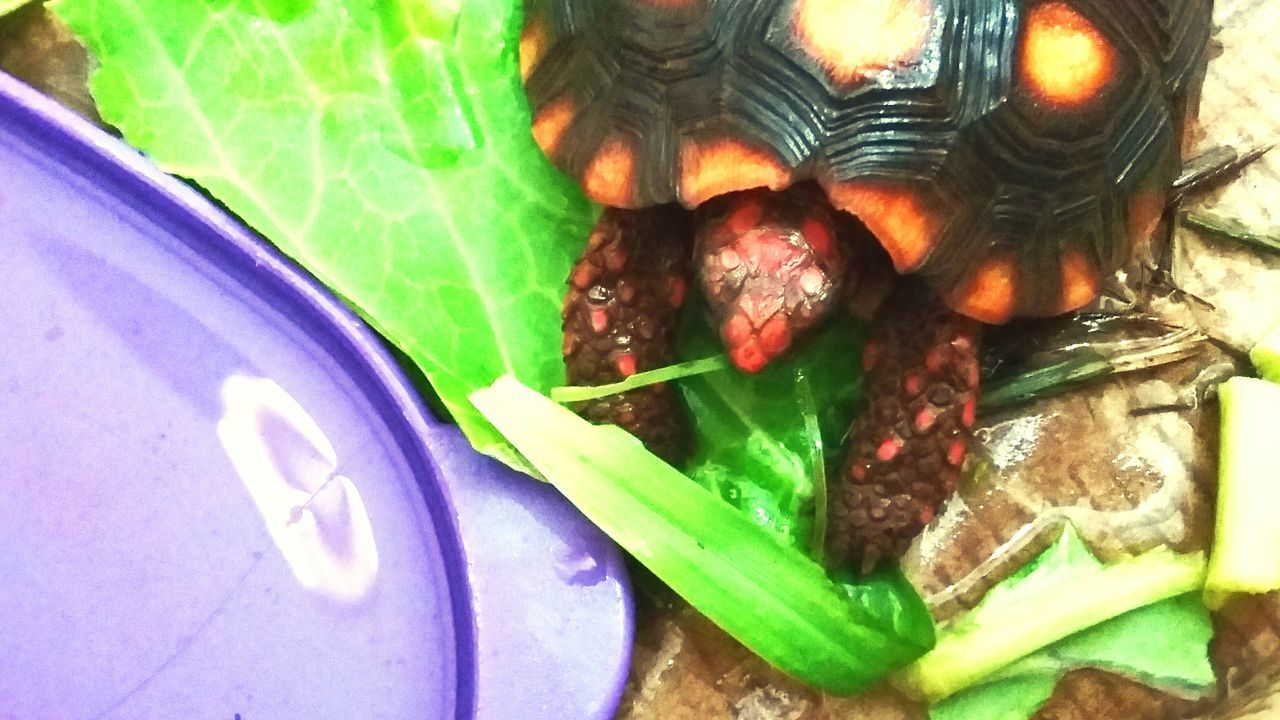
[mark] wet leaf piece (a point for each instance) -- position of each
(763, 441)
(769, 596)
(1161, 640)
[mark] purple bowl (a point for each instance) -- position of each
(221, 498)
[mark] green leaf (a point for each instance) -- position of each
(1163, 644)
(755, 444)
(1013, 698)
(689, 368)
(384, 145)
(766, 594)
(1266, 355)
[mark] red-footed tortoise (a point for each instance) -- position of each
(1007, 155)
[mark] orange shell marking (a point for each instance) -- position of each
(1079, 282)
(1064, 58)
(853, 39)
(895, 216)
(723, 166)
(550, 123)
(990, 294)
(610, 176)
(534, 41)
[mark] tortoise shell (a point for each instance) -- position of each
(1011, 152)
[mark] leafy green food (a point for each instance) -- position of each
(1266, 355)
(1246, 546)
(768, 595)
(383, 145)
(756, 434)
(1138, 617)
(578, 393)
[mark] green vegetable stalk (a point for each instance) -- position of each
(768, 595)
(1246, 548)
(1266, 355)
(996, 635)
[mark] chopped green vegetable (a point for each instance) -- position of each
(1011, 698)
(578, 393)
(766, 594)
(1246, 547)
(1019, 617)
(755, 437)
(1164, 645)
(818, 464)
(1266, 355)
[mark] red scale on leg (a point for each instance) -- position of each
(775, 336)
(626, 363)
(907, 448)
(969, 410)
(676, 294)
(771, 269)
(889, 449)
(599, 320)
(925, 418)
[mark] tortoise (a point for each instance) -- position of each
(934, 165)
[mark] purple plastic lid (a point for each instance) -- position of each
(221, 499)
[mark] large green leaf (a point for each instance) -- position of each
(755, 448)
(384, 145)
(770, 596)
(1164, 644)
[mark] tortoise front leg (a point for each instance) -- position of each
(620, 317)
(907, 446)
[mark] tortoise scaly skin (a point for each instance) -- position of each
(620, 318)
(1005, 154)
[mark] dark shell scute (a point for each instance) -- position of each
(1010, 174)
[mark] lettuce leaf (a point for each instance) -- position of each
(771, 597)
(384, 146)
(1162, 644)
